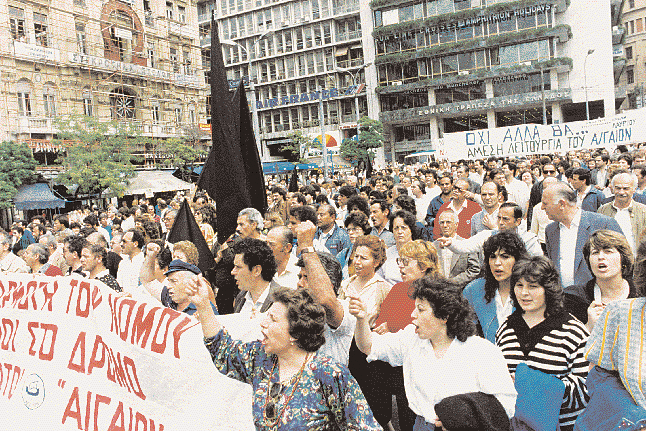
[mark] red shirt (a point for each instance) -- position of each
(397, 307)
(469, 209)
(53, 270)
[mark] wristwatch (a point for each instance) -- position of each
(308, 250)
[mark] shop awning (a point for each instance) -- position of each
(146, 182)
(36, 196)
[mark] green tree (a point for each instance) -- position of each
(182, 156)
(370, 136)
(99, 155)
(296, 150)
(17, 167)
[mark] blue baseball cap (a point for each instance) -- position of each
(179, 265)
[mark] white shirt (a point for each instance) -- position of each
(623, 218)
(433, 192)
(475, 365)
(389, 271)
(540, 220)
(289, 277)
(447, 256)
(128, 272)
(518, 193)
(338, 341)
(421, 204)
(251, 309)
(567, 240)
(503, 311)
(13, 263)
(580, 196)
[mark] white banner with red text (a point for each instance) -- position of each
(75, 355)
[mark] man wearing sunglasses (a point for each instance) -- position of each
(536, 194)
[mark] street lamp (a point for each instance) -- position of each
(354, 83)
(252, 87)
(585, 83)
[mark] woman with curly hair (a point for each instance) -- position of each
(543, 335)
(440, 353)
(490, 296)
(294, 388)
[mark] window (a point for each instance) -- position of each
(87, 103)
(631, 4)
(630, 75)
(191, 115)
(174, 60)
(187, 62)
(639, 26)
(155, 112)
(629, 53)
(49, 101)
(181, 14)
(17, 23)
(121, 34)
(151, 54)
(40, 29)
(24, 99)
(169, 10)
(80, 38)
(123, 104)
(178, 114)
(632, 27)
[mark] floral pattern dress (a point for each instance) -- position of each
(327, 396)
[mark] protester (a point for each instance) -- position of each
(254, 268)
(439, 352)
(356, 224)
(403, 226)
(293, 386)
(281, 240)
(461, 268)
(9, 262)
(93, 261)
(72, 247)
(36, 257)
(132, 243)
(543, 335)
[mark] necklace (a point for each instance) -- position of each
(288, 399)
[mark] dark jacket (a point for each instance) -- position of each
(579, 297)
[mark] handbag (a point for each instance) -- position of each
(539, 400)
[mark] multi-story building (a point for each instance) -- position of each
(132, 61)
(305, 59)
(447, 66)
(633, 78)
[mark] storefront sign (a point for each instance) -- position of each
(508, 102)
(194, 81)
(475, 21)
(459, 84)
(624, 129)
(308, 97)
(36, 52)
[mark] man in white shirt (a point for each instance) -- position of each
(492, 195)
(9, 262)
(254, 268)
(422, 200)
(517, 190)
(281, 240)
(132, 258)
(630, 215)
(432, 189)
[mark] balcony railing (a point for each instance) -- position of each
(342, 37)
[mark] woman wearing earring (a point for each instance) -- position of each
(294, 388)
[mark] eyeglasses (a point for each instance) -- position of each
(405, 261)
(274, 393)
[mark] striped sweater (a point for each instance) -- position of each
(555, 346)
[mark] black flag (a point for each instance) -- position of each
(185, 228)
(224, 175)
(368, 167)
(293, 182)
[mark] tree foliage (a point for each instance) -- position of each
(99, 155)
(182, 156)
(296, 150)
(17, 167)
(370, 136)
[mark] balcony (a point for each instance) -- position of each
(351, 35)
(35, 125)
(347, 64)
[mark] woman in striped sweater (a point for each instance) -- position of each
(543, 335)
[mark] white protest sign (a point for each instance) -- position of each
(74, 355)
(623, 129)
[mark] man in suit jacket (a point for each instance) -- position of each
(459, 267)
(599, 175)
(589, 198)
(568, 232)
(254, 268)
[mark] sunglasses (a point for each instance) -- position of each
(549, 171)
(274, 393)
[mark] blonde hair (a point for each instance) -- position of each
(189, 250)
(423, 252)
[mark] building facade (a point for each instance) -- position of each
(305, 60)
(135, 61)
(633, 78)
(448, 66)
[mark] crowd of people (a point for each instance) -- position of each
(498, 294)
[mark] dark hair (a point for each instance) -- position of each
(137, 237)
(330, 209)
(446, 300)
(518, 212)
(281, 191)
(359, 219)
(382, 204)
(494, 172)
(347, 191)
(583, 174)
(256, 252)
(511, 243)
(539, 270)
(332, 268)
(164, 258)
(409, 219)
(75, 244)
(605, 238)
(91, 219)
(62, 219)
(359, 203)
(305, 316)
(303, 213)
(300, 198)
(445, 175)
(627, 157)
(406, 203)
